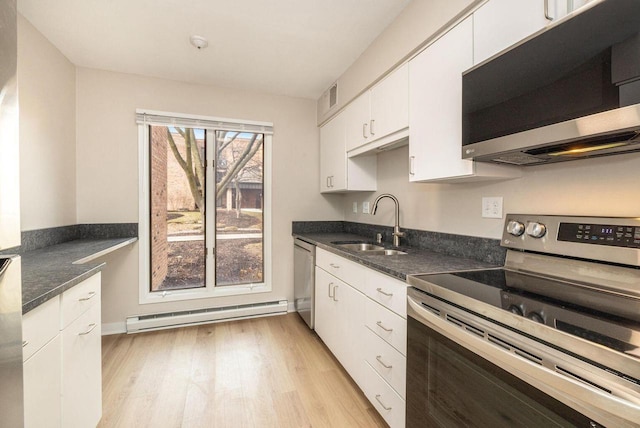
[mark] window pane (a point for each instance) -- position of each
(177, 208)
(239, 208)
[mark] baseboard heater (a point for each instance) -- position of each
(204, 316)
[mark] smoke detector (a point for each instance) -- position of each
(199, 41)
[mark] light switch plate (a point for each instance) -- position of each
(365, 207)
(492, 207)
(355, 207)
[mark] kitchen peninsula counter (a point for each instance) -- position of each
(48, 271)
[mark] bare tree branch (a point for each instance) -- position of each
(245, 156)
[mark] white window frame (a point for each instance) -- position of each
(210, 124)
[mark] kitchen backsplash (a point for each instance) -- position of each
(482, 249)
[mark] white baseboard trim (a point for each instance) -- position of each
(291, 307)
(114, 328)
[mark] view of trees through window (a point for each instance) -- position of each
(178, 208)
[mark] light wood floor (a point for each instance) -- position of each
(263, 372)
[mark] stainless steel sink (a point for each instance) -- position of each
(362, 246)
(386, 253)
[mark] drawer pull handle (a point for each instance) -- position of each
(91, 295)
(335, 266)
(89, 330)
(379, 324)
(379, 358)
(381, 403)
(25, 343)
(379, 290)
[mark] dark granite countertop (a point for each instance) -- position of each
(416, 261)
(47, 272)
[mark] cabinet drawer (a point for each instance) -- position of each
(388, 291)
(78, 299)
(39, 326)
(388, 325)
(346, 270)
(386, 401)
(390, 364)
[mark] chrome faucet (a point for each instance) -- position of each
(396, 229)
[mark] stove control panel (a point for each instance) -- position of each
(600, 234)
(604, 239)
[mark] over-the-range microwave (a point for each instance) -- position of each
(570, 91)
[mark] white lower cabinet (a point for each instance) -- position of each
(42, 386)
(63, 359)
(82, 371)
(367, 337)
(42, 369)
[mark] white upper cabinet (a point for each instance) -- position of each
(499, 24)
(435, 105)
(380, 116)
(337, 172)
(332, 155)
(435, 124)
(357, 115)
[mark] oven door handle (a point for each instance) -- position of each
(590, 401)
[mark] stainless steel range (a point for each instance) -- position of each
(550, 339)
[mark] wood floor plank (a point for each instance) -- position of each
(262, 372)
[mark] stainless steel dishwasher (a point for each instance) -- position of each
(304, 268)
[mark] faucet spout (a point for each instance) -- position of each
(396, 228)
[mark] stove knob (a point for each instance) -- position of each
(515, 228)
(536, 317)
(536, 230)
(515, 310)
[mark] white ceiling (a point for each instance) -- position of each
(289, 47)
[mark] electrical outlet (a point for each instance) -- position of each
(365, 208)
(492, 207)
(355, 207)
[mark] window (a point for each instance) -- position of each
(204, 207)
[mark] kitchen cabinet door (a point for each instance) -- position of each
(340, 312)
(333, 174)
(380, 116)
(42, 378)
(499, 24)
(435, 106)
(357, 116)
(82, 371)
(325, 316)
(338, 173)
(390, 104)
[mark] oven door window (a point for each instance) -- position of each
(448, 386)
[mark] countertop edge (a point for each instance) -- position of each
(50, 271)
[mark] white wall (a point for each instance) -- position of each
(107, 169)
(606, 186)
(47, 92)
(414, 27)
